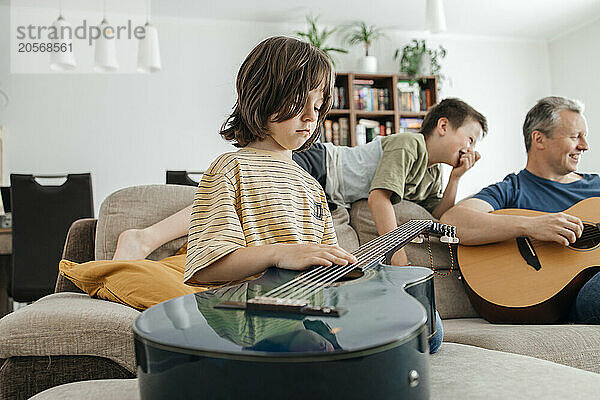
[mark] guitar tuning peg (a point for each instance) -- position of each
(449, 239)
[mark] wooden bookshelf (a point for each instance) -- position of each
(388, 109)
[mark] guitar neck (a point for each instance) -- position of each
(291, 296)
(375, 250)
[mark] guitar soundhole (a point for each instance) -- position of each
(589, 238)
(354, 276)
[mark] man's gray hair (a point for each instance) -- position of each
(544, 116)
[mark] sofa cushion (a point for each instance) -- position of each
(467, 372)
(140, 207)
(362, 221)
(70, 324)
(23, 376)
(451, 300)
(105, 389)
(569, 344)
(137, 283)
(457, 372)
(346, 235)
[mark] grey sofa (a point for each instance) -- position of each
(68, 336)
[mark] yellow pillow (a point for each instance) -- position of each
(139, 284)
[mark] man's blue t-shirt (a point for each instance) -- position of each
(528, 191)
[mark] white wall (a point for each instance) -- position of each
(574, 61)
(127, 129)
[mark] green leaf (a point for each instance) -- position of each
(318, 38)
(361, 33)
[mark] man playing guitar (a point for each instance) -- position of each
(555, 137)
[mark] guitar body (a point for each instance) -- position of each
(376, 349)
(529, 281)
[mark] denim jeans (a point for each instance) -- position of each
(436, 340)
(586, 307)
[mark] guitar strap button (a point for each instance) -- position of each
(413, 378)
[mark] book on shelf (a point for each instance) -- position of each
(410, 124)
(369, 98)
(339, 98)
(327, 131)
(425, 97)
(409, 96)
(412, 97)
(388, 128)
(367, 130)
(335, 137)
(336, 132)
(344, 131)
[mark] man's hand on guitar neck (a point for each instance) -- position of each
(556, 227)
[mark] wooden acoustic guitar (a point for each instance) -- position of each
(530, 281)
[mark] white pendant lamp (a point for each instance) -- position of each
(106, 52)
(435, 16)
(62, 60)
(149, 49)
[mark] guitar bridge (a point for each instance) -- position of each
(280, 305)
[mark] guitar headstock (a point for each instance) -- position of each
(446, 233)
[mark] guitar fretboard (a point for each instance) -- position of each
(368, 255)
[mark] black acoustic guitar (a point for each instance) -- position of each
(352, 332)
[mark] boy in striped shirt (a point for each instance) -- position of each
(256, 208)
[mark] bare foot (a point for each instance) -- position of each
(131, 245)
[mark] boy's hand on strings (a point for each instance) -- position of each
(303, 256)
(467, 159)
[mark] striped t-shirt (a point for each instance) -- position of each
(254, 197)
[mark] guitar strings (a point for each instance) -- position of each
(330, 274)
(319, 272)
(306, 284)
(592, 234)
(315, 286)
(358, 253)
(346, 269)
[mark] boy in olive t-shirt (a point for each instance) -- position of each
(402, 166)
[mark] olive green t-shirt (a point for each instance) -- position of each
(403, 170)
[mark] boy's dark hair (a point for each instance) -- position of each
(273, 82)
(457, 112)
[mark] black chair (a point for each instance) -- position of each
(41, 217)
(182, 178)
(5, 192)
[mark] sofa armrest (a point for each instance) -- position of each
(79, 248)
(70, 324)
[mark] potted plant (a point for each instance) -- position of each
(361, 33)
(418, 59)
(318, 38)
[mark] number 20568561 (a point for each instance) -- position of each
(45, 47)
